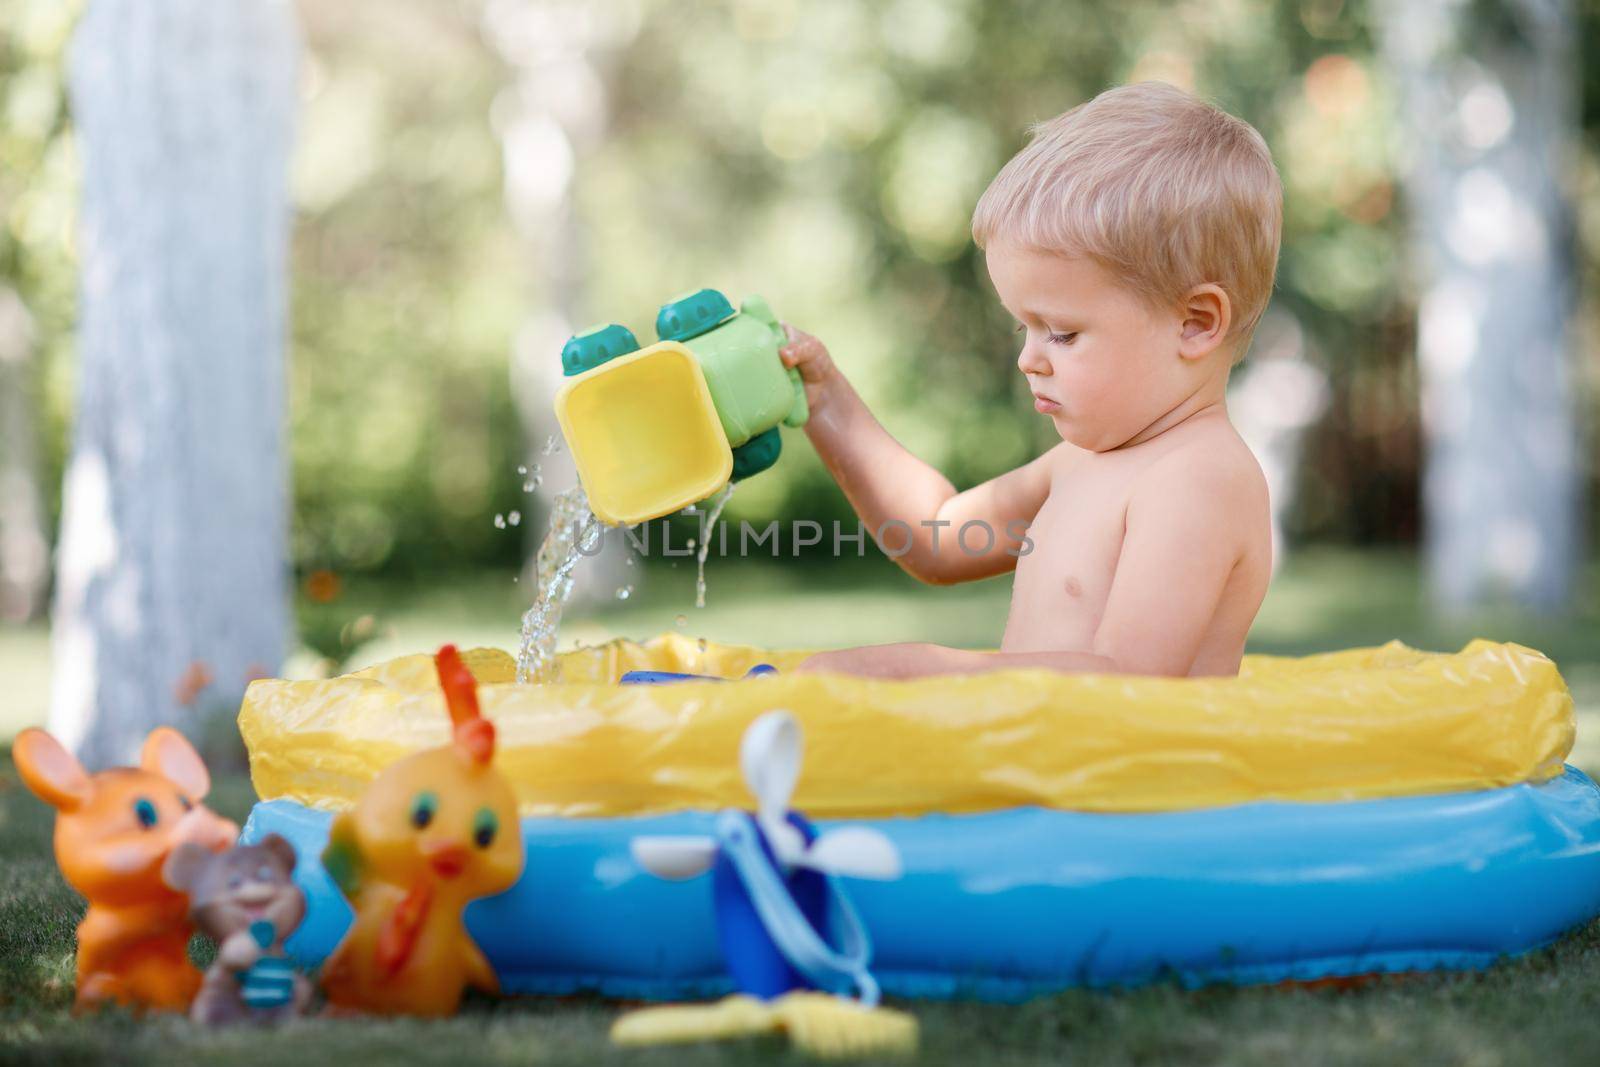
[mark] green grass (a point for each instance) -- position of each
(1540, 1009)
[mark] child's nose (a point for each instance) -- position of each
(1031, 360)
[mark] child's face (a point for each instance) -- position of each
(1101, 362)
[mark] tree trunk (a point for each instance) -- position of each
(172, 582)
(1489, 98)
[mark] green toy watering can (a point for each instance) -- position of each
(653, 430)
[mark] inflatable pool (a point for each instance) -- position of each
(1361, 812)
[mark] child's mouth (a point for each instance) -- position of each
(1044, 405)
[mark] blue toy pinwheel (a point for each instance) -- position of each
(784, 922)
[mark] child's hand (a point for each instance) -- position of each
(811, 357)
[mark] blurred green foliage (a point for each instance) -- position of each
(826, 154)
(38, 203)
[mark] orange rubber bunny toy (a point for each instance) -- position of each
(432, 833)
(114, 830)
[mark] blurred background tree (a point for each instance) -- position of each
(825, 154)
(171, 588)
(38, 190)
(1490, 97)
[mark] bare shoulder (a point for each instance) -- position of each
(1212, 462)
(1210, 484)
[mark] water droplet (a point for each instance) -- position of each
(691, 542)
(681, 621)
(625, 592)
(499, 521)
(551, 445)
(522, 469)
(515, 518)
(629, 561)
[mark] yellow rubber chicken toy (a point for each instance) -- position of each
(432, 833)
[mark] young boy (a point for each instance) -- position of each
(1134, 240)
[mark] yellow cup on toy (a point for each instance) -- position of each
(644, 434)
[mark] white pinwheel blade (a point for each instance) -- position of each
(855, 852)
(674, 858)
(769, 756)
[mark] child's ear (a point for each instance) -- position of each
(169, 754)
(49, 771)
(1207, 315)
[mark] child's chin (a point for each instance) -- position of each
(1088, 438)
(1075, 433)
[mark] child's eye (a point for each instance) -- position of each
(1063, 338)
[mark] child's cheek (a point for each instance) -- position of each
(1086, 387)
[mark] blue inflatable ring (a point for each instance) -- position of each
(1011, 904)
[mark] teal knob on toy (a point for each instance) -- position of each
(595, 346)
(655, 429)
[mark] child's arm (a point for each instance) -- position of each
(1181, 542)
(888, 486)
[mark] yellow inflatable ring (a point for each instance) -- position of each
(1358, 724)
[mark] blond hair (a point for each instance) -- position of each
(1157, 187)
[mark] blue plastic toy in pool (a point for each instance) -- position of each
(784, 921)
(760, 670)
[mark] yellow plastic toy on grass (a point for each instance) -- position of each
(432, 833)
(653, 430)
(815, 1023)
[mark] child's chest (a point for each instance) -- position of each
(1062, 584)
